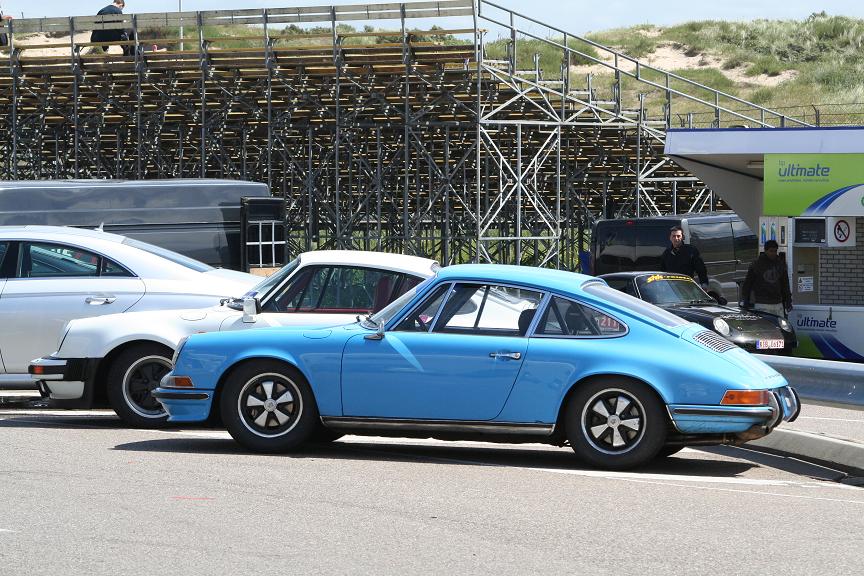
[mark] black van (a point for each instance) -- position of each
(196, 217)
(726, 243)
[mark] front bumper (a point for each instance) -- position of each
(721, 419)
(65, 378)
(184, 405)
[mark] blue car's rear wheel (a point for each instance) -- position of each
(267, 406)
(615, 423)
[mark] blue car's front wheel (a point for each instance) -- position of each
(267, 406)
(615, 423)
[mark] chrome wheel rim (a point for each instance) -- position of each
(613, 421)
(141, 378)
(270, 405)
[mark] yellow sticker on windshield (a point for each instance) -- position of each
(654, 277)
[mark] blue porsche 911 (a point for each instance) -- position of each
(502, 353)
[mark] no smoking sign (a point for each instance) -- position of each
(842, 232)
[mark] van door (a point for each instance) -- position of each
(53, 284)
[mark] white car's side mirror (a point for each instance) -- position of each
(251, 308)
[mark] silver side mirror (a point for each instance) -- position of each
(379, 333)
(251, 308)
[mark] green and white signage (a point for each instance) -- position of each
(814, 185)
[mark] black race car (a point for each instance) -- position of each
(754, 331)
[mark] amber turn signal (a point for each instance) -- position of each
(180, 382)
(746, 397)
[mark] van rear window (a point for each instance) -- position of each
(623, 246)
(180, 259)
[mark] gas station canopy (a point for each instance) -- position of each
(777, 171)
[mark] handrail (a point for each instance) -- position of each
(302, 14)
(639, 66)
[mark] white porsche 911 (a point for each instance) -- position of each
(52, 274)
(121, 359)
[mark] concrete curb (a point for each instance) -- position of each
(844, 454)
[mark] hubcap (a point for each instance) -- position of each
(613, 421)
(270, 405)
(140, 380)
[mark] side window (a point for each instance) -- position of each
(4, 247)
(488, 309)
(358, 290)
(338, 289)
(567, 318)
(713, 240)
(312, 295)
(420, 319)
(112, 269)
(43, 260)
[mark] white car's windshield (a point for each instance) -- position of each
(385, 314)
(264, 287)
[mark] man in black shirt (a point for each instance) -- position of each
(683, 258)
(766, 287)
(116, 35)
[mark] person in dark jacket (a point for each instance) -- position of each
(683, 258)
(117, 35)
(766, 287)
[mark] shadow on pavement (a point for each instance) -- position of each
(484, 455)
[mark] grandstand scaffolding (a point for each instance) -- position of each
(436, 141)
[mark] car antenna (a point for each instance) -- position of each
(101, 227)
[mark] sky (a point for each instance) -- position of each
(574, 16)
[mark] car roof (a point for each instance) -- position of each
(58, 231)
(545, 278)
(386, 260)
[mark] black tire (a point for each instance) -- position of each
(667, 451)
(615, 423)
(324, 435)
(257, 396)
(131, 379)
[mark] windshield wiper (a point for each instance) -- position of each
(702, 301)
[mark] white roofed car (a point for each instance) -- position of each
(122, 360)
(52, 274)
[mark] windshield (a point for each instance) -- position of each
(389, 311)
(180, 259)
(664, 289)
(266, 286)
(640, 307)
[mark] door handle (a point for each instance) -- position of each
(99, 300)
(508, 355)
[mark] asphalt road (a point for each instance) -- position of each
(79, 494)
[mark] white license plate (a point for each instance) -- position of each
(769, 344)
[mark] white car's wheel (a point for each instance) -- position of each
(132, 377)
(267, 406)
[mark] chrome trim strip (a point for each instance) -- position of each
(511, 428)
(759, 411)
(180, 395)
